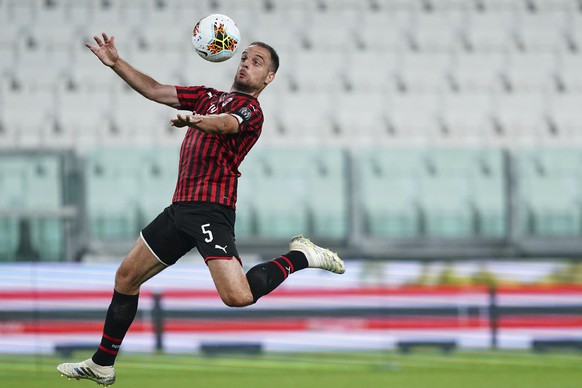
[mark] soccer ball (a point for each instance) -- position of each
(215, 37)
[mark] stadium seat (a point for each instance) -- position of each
(330, 31)
(137, 121)
(361, 118)
(491, 31)
(468, 117)
(282, 195)
(306, 117)
(37, 107)
(12, 184)
(45, 193)
(414, 116)
(388, 191)
(531, 72)
(437, 32)
(159, 173)
(542, 31)
(12, 195)
(488, 193)
(30, 183)
(318, 70)
(549, 192)
(88, 73)
(379, 75)
(246, 206)
(563, 110)
(522, 117)
(445, 193)
(569, 72)
(113, 183)
(47, 238)
(384, 31)
(9, 238)
(479, 71)
(267, 28)
(39, 69)
(425, 72)
(328, 204)
(44, 183)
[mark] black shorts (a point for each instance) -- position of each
(185, 225)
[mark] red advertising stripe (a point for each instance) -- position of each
(299, 324)
(305, 292)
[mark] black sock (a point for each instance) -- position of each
(120, 315)
(265, 277)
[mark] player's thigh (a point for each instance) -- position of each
(231, 282)
(136, 268)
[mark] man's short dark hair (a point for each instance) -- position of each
(274, 56)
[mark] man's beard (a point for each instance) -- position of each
(242, 87)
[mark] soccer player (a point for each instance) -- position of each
(221, 130)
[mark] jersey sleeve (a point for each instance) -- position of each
(248, 114)
(192, 97)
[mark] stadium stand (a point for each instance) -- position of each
(32, 195)
(362, 78)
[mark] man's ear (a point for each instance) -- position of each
(270, 78)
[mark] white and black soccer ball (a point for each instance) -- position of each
(216, 37)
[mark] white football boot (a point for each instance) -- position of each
(102, 375)
(317, 257)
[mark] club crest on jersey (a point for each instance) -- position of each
(245, 113)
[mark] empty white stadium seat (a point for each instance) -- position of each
(437, 31)
(361, 118)
(468, 117)
(26, 115)
(381, 31)
(479, 71)
(83, 117)
(569, 72)
(414, 116)
(425, 72)
(317, 70)
(532, 72)
(373, 71)
(543, 31)
(491, 31)
(522, 117)
(306, 117)
(565, 115)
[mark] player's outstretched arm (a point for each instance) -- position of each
(217, 124)
(107, 53)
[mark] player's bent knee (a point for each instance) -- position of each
(126, 281)
(234, 299)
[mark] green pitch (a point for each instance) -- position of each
(434, 370)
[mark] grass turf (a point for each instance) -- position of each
(463, 369)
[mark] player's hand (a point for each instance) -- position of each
(105, 49)
(185, 121)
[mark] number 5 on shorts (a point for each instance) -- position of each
(208, 232)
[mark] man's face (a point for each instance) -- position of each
(253, 72)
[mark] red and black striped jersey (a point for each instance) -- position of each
(208, 170)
